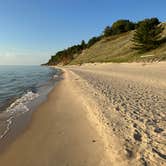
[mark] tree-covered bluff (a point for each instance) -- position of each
(145, 35)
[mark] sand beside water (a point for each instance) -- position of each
(99, 115)
(59, 134)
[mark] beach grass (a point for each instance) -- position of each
(118, 48)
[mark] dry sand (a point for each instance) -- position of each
(100, 114)
(59, 135)
(131, 102)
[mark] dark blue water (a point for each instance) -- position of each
(22, 88)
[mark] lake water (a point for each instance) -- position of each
(21, 89)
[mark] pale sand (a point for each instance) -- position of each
(59, 135)
(100, 114)
(131, 103)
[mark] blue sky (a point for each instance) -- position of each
(33, 30)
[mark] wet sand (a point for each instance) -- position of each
(101, 115)
(59, 134)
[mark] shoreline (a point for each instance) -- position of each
(92, 111)
(60, 129)
(20, 121)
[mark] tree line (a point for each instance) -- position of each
(66, 55)
(147, 36)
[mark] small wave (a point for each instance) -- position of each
(55, 76)
(17, 108)
(21, 103)
(7, 128)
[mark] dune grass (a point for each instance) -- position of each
(118, 49)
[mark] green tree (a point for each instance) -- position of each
(107, 31)
(121, 26)
(83, 44)
(152, 21)
(147, 35)
(92, 41)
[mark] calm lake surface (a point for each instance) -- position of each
(21, 89)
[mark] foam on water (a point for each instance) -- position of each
(55, 76)
(22, 89)
(6, 127)
(20, 106)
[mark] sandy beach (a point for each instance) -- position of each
(59, 134)
(131, 102)
(98, 115)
